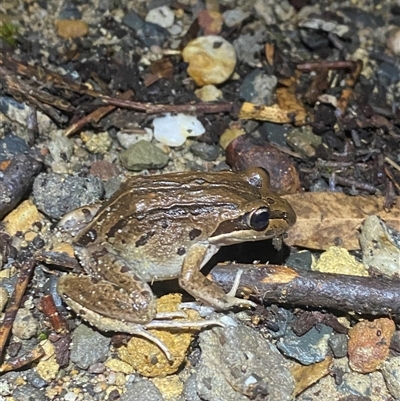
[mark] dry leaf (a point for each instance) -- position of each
(330, 218)
(305, 376)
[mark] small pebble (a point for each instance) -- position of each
(208, 93)
(338, 260)
(127, 139)
(234, 17)
(391, 373)
(211, 22)
(22, 218)
(97, 143)
(88, 346)
(104, 170)
(205, 151)
(162, 16)
(3, 298)
(393, 41)
(309, 348)
(369, 343)
(172, 130)
(25, 326)
(258, 88)
(143, 155)
(71, 29)
(143, 390)
(379, 249)
(12, 145)
(61, 148)
(338, 344)
(211, 59)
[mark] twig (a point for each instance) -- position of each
(23, 360)
(95, 116)
(348, 182)
(15, 302)
(327, 64)
(283, 285)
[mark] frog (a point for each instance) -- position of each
(164, 227)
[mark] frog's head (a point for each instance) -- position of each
(266, 217)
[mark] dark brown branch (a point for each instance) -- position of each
(25, 274)
(23, 360)
(283, 285)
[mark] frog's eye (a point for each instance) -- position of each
(259, 219)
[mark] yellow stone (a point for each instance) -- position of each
(211, 59)
(70, 29)
(117, 365)
(338, 260)
(171, 387)
(48, 368)
(146, 357)
(22, 218)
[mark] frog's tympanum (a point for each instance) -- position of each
(163, 227)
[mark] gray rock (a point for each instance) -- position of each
(57, 194)
(150, 34)
(319, 185)
(12, 145)
(237, 363)
(248, 48)
(388, 73)
(190, 388)
(338, 344)
(391, 374)
(274, 133)
(234, 17)
(143, 155)
(61, 148)
(15, 111)
(27, 392)
(142, 390)
(309, 348)
(380, 247)
(301, 260)
(35, 379)
(25, 326)
(258, 88)
(88, 347)
(357, 384)
(69, 11)
(205, 151)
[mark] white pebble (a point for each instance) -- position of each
(173, 130)
(162, 16)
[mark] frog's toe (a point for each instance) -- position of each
(233, 301)
(170, 315)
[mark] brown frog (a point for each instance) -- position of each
(163, 227)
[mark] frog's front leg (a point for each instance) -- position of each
(200, 287)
